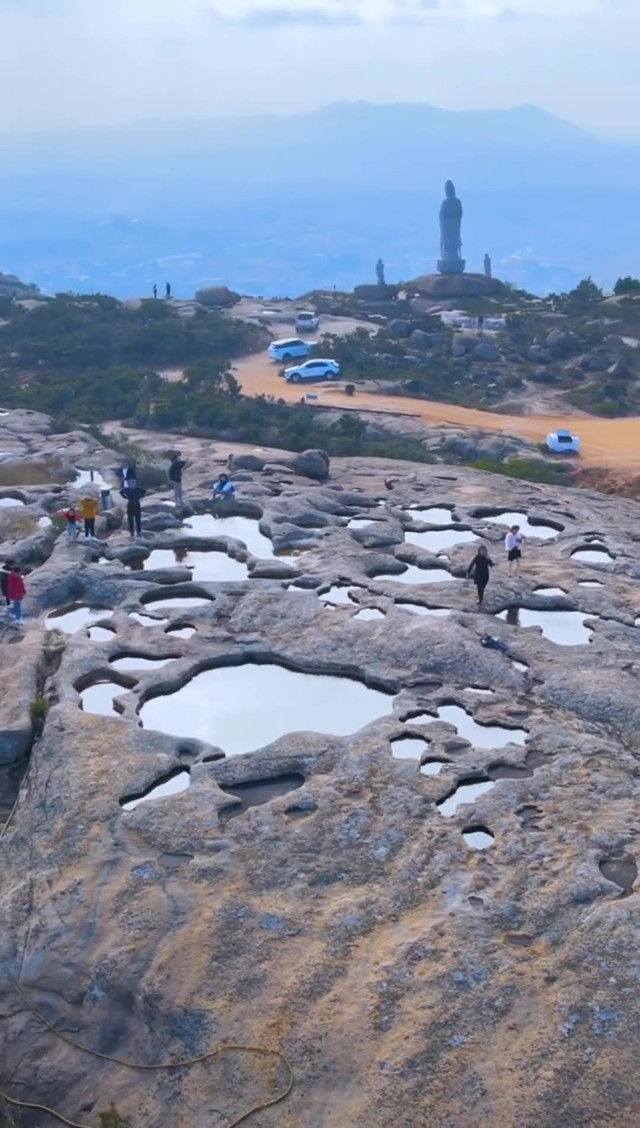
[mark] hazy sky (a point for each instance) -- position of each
(66, 62)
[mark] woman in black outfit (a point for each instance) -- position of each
(480, 566)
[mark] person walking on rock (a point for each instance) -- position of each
(5, 572)
(71, 516)
(176, 467)
(513, 543)
(89, 512)
(17, 592)
(480, 566)
(133, 496)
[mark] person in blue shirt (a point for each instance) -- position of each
(223, 489)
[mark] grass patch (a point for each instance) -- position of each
(528, 470)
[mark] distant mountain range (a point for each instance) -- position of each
(280, 205)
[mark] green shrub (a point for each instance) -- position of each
(528, 470)
(39, 709)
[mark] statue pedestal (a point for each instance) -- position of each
(451, 266)
(456, 285)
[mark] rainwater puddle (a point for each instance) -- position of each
(433, 767)
(481, 736)
(100, 634)
(414, 575)
(133, 663)
(478, 689)
(90, 478)
(441, 539)
(408, 747)
(172, 785)
(565, 628)
(534, 760)
(596, 554)
(466, 792)
(542, 532)
(436, 515)
(339, 594)
(74, 616)
(478, 838)
(213, 706)
(178, 601)
(99, 698)
(147, 620)
(10, 503)
(549, 591)
(257, 792)
(590, 583)
(368, 614)
(44, 522)
(242, 528)
(621, 871)
(181, 632)
(204, 565)
(360, 523)
(420, 609)
(520, 666)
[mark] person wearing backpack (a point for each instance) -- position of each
(176, 467)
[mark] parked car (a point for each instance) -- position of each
(269, 316)
(290, 348)
(312, 370)
(563, 442)
(306, 321)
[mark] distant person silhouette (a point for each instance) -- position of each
(155, 290)
(168, 291)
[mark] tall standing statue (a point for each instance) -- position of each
(487, 266)
(380, 273)
(450, 261)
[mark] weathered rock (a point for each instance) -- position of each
(398, 328)
(217, 297)
(486, 350)
(245, 462)
(310, 464)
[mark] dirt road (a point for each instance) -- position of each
(611, 443)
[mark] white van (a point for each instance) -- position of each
(290, 348)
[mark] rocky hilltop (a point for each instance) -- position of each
(416, 880)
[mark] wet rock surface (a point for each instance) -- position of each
(310, 895)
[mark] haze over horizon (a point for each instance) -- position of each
(112, 62)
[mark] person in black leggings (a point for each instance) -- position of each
(133, 496)
(480, 566)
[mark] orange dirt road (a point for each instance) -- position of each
(613, 443)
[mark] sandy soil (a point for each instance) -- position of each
(605, 442)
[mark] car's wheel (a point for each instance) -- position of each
(295, 379)
(287, 356)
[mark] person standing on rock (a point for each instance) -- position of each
(133, 496)
(480, 566)
(16, 592)
(89, 512)
(71, 516)
(176, 468)
(513, 543)
(5, 572)
(167, 291)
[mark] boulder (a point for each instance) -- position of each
(486, 350)
(557, 339)
(420, 339)
(33, 470)
(246, 462)
(456, 286)
(398, 328)
(597, 363)
(619, 368)
(310, 464)
(217, 297)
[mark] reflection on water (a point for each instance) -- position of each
(408, 747)
(436, 515)
(369, 614)
(172, 785)
(595, 554)
(420, 609)
(133, 663)
(565, 628)
(11, 503)
(177, 601)
(478, 838)
(440, 539)
(507, 519)
(241, 708)
(481, 736)
(99, 698)
(465, 792)
(338, 594)
(74, 616)
(90, 478)
(213, 566)
(414, 575)
(242, 528)
(257, 792)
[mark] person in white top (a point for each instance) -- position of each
(513, 543)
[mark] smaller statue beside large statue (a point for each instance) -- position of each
(380, 273)
(451, 260)
(487, 266)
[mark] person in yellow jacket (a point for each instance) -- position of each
(89, 512)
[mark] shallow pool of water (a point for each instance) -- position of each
(441, 539)
(369, 614)
(257, 792)
(214, 706)
(100, 634)
(507, 519)
(590, 583)
(360, 523)
(99, 698)
(420, 609)
(436, 515)
(338, 594)
(133, 663)
(466, 792)
(414, 575)
(481, 736)
(565, 628)
(74, 616)
(90, 478)
(181, 632)
(478, 689)
(214, 566)
(147, 620)
(593, 555)
(10, 503)
(171, 785)
(177, 601)
(549, 591)
(433, 767)
(408, 747)
(242, 528)
(478, 838)
(44, 522)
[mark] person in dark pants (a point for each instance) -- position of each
(480, 566)
(168, 290)
(89, 512)
(5, 572)
(176, 469)
(133, 496)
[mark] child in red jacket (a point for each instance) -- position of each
(16, 593)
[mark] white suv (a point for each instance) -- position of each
(313, 370)
(290, 348)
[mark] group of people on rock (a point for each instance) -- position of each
(86, 512)
(481, 565)
(222, 490)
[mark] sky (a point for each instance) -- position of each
(92, 62)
